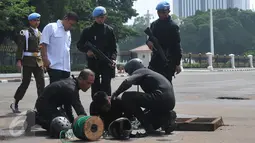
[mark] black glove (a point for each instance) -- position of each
(114, 96)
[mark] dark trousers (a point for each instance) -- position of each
(161, 70)
(102, 85)
(133, 101)
(26, 78)
(56, 75)
(46, 113)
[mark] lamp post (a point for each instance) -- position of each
(148, 17)
(211, 28)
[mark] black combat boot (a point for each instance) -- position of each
(169, 122)
(30, 120)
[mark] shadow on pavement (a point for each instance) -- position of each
(8, 134)
(8, 115)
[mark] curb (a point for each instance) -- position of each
(234, 70)
(46, 78)
(221, 70)
(125, 75)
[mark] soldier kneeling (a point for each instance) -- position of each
(158, 97)
(63, 94)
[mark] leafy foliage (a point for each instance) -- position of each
(14, 12)
(233, 31)
(139, 36)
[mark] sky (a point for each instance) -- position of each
(252, 2)
(142, 6)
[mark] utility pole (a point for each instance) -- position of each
(211, 28)
(148, 18)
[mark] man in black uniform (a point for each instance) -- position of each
(63, 93)
(167, 33)
(103, 107)
(102, 36)
(158, 96)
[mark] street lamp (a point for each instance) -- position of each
(211, 28)
(148, 17)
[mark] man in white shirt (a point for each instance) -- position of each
(55, 44)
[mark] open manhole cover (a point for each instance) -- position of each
(233, 98)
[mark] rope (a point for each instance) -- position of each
(78, 127)
(63, 132)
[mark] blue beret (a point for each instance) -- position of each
(163, 6)
(98, 11)
(34, 16)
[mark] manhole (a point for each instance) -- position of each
(233, 98)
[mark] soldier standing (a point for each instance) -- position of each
(167, 33)
(29, 60)
(102, 36)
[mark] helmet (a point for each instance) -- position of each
(99, 11)
(33, 16)
(163, 6)
(121, 128)
(59, 124)
(133, 65)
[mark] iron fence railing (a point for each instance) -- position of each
(219, 61)
(78, 60)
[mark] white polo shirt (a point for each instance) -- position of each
(58, 43)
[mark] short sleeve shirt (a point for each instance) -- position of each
(58, 43)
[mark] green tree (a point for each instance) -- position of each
(174, 17)
(139, 38)
(118, 13)
(84, 10)
(233, 31)
(14, 12)
(13, 15)
(139, 25)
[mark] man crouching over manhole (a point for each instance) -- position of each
(158, 98)
(63, 94)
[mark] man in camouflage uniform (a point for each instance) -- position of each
(29, 60)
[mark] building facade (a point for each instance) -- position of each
(185, 8)
(144, 53)
(242, 4)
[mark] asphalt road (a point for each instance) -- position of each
(196, 94)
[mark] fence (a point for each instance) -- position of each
(78, 60)
(8, 59)
(219, 61)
